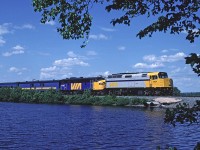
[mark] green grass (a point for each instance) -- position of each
(56, 97)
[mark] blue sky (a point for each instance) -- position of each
(31, 50)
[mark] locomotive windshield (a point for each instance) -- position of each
(162, 75)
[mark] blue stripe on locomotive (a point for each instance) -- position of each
(71, 86)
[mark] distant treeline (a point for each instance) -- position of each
(56, 97)
(190, 94)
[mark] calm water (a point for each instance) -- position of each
(35, 126)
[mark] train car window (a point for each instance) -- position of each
(154, 77)
(162, 75)
(144, 75)
(32, 85)
(119, 76)
(128, 76)
(110, 76)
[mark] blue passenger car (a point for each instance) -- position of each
(9, 84)
(40, 85)
(34, 85)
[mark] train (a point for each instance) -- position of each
(122, 84)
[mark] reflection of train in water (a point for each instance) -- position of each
(147, 83)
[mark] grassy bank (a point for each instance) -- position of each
(56, 97)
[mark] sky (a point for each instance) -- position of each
(30, 50)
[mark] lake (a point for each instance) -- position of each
(41, 126)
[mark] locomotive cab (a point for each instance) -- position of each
(160, 82)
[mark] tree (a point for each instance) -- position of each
(75, 19)
(194, 61)
(183, 113)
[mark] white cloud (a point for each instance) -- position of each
(71, 54)
(150, 58)
(18, 47)
(152, 66)
(164, 51)
(18, 71)
(54, 72)
(62, 68)
(48, 69)
(13, 69)
(157, 61)
(121, 48)
(52, 23)
(25, 26)
(5, 28)
(28, 26)
(98, 37)
(91, 53)
(172, 58)
(70, 62)
(16, 50)
(165, 58)
(2, 42)
(108, 29)
(106, 73)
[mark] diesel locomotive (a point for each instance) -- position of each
(145, 83)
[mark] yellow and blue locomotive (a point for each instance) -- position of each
(146, 83)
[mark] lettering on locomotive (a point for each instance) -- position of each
(76, 86)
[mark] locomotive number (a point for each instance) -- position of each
(75, 86)
(114, 84)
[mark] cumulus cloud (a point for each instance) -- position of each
(71, 54)
(108, 29)
(152, 66)
(106, 73)
(121, 48)
(70, 62)
(54, 72)
(5, 28)
(15, 51)
(8, 28)
(150, 58)
(61, 68)
(19, 71)
(25, 26)
(164, 51)
(2, 42)
(165, 58)
(158, 61)
(98, 37)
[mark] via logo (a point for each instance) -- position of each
(76, 86)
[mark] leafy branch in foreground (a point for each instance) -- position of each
(194, 61)
(75, 18)
(183, 114)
